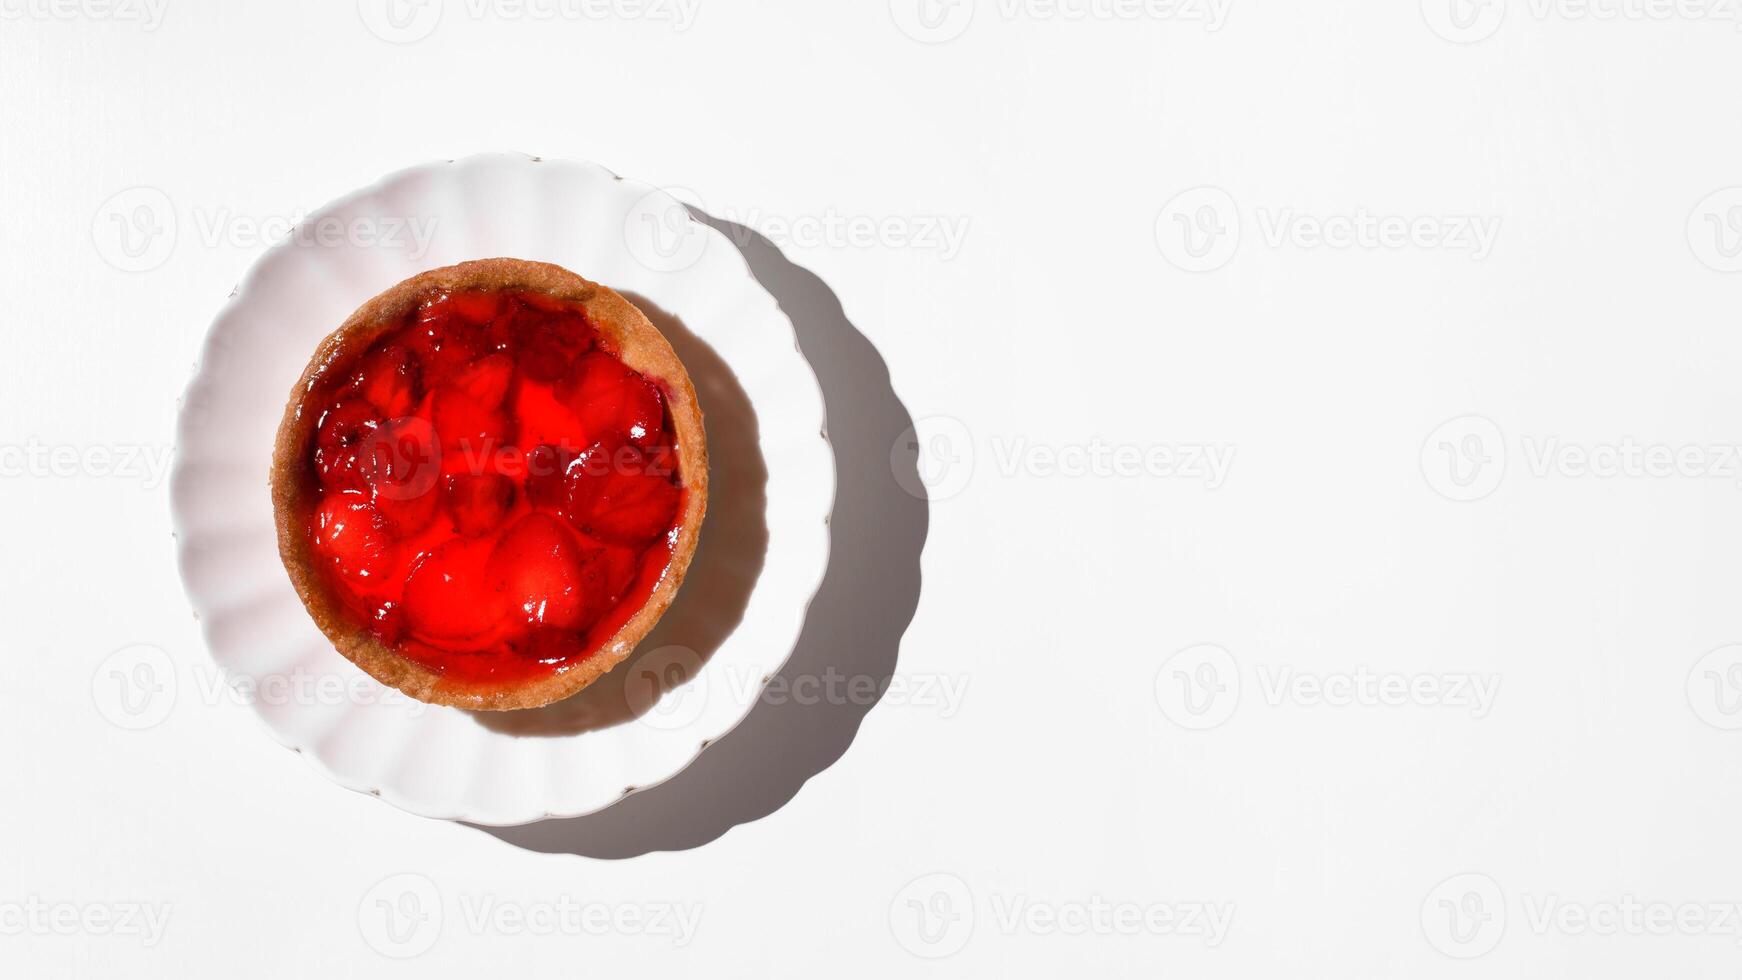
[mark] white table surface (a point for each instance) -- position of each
(1521, 688)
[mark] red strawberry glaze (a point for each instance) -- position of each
(492, 492)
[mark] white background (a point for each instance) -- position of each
(1073, 790)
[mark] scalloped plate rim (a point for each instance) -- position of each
(179, 522)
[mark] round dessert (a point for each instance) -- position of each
(489, 484)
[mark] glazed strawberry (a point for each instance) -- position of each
(351, 535)
(548, 646)
(401, 462)
(391, 379)
(468, 426)
(389, 621)
(610, 400)
(479, 503)
(549, 304)
(541, 569)
(545, 419)
(661, 460)
(401, 457)
(622, 502)
(405, 516)
(486, 380)
(475, 307)
(547, 470)
(443, 603)
(594, 461)
(470, 416)
(341, 442)
(444, 341)
(547, 343)
(612, 572)
(555, 474)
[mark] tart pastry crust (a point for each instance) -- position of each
(635, 341)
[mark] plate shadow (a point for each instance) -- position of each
(854, 625)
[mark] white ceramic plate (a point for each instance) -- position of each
(764, 546)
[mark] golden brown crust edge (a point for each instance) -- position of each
(640, 346)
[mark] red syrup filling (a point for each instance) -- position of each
(493, 493)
